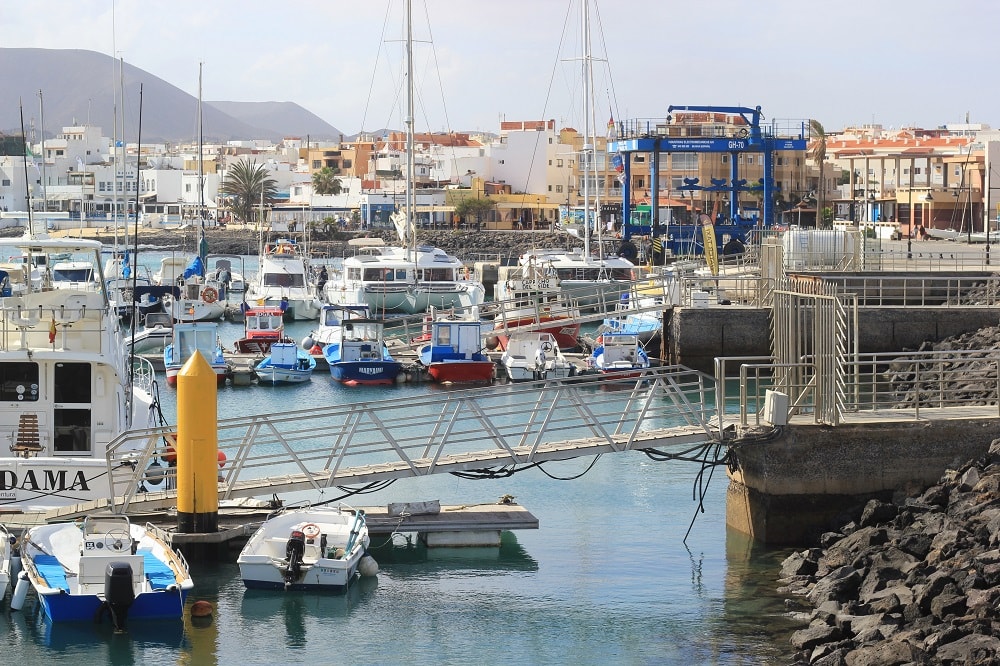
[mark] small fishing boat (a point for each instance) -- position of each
(188, 338)
(633, 316)
(455, 353)
(318, 548)
(357, 354)
(330, 319)
(286, 363)
(262, 327)
(156, 333)
(7, 541)
(535, 355)
(619, 354)
(104, 565)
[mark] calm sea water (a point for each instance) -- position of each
(607, 579)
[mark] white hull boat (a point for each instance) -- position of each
(535, 355)
(307, 549)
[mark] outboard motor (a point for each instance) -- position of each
(118, 593)
(294, 550)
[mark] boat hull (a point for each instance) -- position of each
(326, 575)
(275, 375)
(354, 373)
(460, 372)
(160, 605)
(566, 332)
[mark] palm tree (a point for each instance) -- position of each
(248, 185)
(325, 181)
(818, 154)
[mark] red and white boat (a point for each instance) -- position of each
(456, 351)
(530, 296)
(263, 326)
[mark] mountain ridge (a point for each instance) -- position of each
(78, 87)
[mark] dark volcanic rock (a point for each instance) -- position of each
(915, 582)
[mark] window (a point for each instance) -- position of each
(559, 163)
(18, 382)
(348, 164)
(559, 189)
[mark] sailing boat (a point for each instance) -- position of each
(201, 298)
(409, 278)
(586, 278)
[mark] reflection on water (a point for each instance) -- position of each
(401, 552)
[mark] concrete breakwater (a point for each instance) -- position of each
(914, 580)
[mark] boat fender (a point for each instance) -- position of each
(368, 566)
(308, 342)
(20, 591)
(155, 473)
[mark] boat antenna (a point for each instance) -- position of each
(27, 154)
(45, 192)
(135, 253)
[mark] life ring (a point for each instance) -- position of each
(546, 346)
(310, 530)
(210, 294)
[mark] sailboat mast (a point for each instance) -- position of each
(588, 147)
(201, 164)
(45, 193)
(27, 185)
(410, 163)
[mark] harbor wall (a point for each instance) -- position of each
(694, 337)
(791, 488)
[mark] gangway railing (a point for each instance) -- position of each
(494, 428)
(901, 385)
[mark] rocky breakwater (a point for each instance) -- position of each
(468, 245)
(914, 581)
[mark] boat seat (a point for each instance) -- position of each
(26, 440)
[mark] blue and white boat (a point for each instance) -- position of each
(357, 354)
(330, 319)
(634, 317)
(106, 565)
(286, 363)
(456, 352)
(316, 548)
(619, 354)
(188, 338)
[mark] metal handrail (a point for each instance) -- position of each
(516, 424)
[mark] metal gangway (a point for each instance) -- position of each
(487, 430)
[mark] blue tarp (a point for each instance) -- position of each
(196, 267)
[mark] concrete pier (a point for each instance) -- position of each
(789, 489)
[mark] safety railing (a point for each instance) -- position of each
(517, 424)
(901, 384)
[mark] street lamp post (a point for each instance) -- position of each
(909, 226)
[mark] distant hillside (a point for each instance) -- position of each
(79, 87)
(286, 117)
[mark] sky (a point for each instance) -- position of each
(478, 62)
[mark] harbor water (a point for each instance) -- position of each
(608, 577)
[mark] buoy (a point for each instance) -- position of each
(308, 342)
(170, 455)
(201, 609)
(492, 342)
(402, 378)
(368, 566)
(222, 459)
(20, 592)
(316, 349)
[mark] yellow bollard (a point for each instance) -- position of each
(197, 448)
